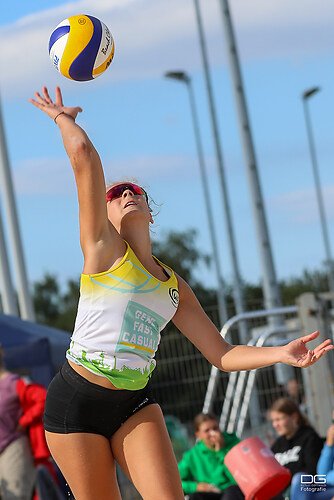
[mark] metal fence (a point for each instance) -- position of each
(185, 383)
(183, 375)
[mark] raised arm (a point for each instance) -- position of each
(192, 321)
(96, 232)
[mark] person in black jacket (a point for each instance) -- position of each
(298, 446)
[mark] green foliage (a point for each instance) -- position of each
(178, 250)
(315, 281)
(57, 308)
(54, 307)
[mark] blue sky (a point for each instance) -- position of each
(141, 125)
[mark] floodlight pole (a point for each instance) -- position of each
(237, 284)
(271, 290)
(329, 261)
(8, 299)
(184, 78)
(24, 298)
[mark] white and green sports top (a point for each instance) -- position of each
(120, 316)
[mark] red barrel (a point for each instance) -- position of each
(256, 470)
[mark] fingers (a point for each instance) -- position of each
(323, 351)
(46, 95)
(37, 104)
(323, 344)
(46, 99)
(309, 357)
(39, 98)
(319, 352)
(59, 98)
(309, 337)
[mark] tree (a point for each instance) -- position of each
(46, 300)
(178, 250)
(54, 307)
(315, 281)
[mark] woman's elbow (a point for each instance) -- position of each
(219, 364)
(79, 152)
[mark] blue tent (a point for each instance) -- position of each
(33, 349)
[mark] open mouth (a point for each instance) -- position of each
(130, 203)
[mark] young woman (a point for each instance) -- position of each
(323, 489)
(99, 408)
(298, 446)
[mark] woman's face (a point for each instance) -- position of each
(127, 207)
(284, 425)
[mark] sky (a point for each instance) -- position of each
(140, 123)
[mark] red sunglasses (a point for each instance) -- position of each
(117, 191)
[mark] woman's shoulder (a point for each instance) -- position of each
(308, 430)
(307, 435)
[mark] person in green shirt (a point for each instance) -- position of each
(203, 473)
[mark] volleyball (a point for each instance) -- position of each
(81, 48)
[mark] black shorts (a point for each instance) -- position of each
(73, 404)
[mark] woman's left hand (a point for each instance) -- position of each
(297, 354)
(54, 109)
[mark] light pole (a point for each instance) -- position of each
(329, 262)
(184, 78)
(271, 292)
(237, 284)
(24, 297)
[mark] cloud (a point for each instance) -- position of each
(49, 176)
(301, 206)
(152, 35)
(54, 176)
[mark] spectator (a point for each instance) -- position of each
(32, 398)
(325, 467)
(298, 446)
(28, 399)
(17, 470)
(202, 469)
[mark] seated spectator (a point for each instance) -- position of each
(325, 467)
(203, 472)
(22, 441)
(17, 470)
(298, 446)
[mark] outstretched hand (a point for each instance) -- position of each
(297, 354)
(53, 109)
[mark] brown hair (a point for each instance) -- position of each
(203, 417)
(288, 406)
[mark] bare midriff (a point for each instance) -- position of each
(91, 377)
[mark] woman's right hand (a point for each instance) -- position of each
(53, 109)
(209, 488)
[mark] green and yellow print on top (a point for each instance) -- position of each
(120, 316)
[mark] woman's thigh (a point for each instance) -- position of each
(87, 463)
(143, 449)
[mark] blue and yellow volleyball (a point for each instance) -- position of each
(81, 48)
